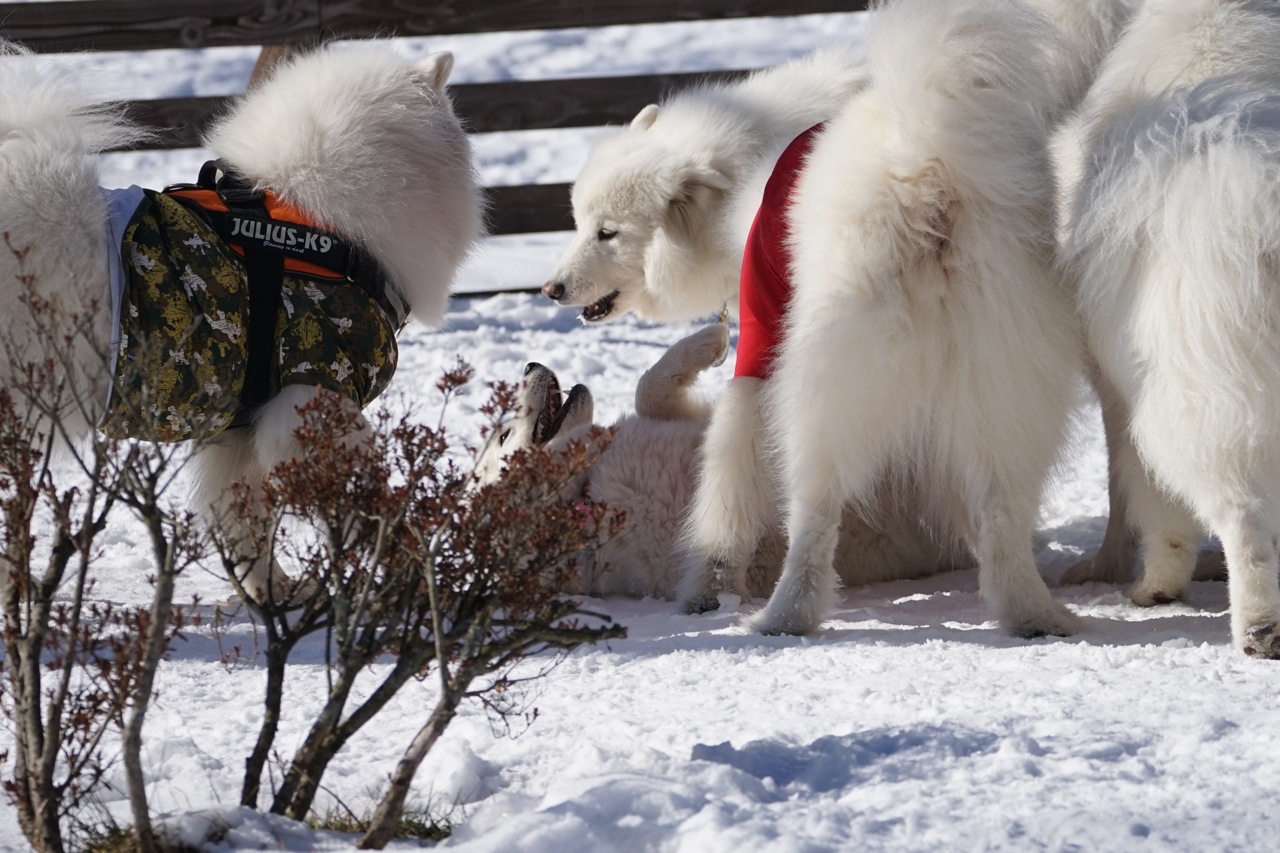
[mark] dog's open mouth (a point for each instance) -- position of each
(555, 407)
(557, 412)
(601, 308)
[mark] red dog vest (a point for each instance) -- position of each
(765, 284)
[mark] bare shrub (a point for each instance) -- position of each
(73, 668)
(399, 561)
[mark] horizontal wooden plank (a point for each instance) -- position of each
(550, 104)
(362, 18)
(130, 25)
(484, 107)
(529, 209)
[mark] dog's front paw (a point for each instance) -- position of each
(1147, 592)
(789, 618)
(1261, 641)
(1055, 621)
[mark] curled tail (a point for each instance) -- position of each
(949, 58)
(970, 90)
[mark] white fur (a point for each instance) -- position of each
(1172, 234)
(361, 140)
(679, 186)
(649, 472)
(928, 344)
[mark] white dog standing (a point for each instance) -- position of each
(1173, 238)
(360, 144)
(927, 340)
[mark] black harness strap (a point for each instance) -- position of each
(264, 271)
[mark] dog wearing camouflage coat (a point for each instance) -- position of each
(344, 181)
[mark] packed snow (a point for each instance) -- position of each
(909, 722)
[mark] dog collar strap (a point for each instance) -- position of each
(251, 220)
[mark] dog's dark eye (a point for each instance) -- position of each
(605, 234)
(502, 439)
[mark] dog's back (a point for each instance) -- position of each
(1183, 130)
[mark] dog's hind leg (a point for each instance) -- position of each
(1169, 534)
(1114, 559)
(219, 465)
(663, 390)
(806, 591)
(834, 447)
(734, 501)
(1007, 575)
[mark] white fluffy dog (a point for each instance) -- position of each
(361, 143)
(928, 340)
(662, 208)
(649, 471)
(1172, 235)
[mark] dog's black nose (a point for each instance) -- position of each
(553, 290)
(530, 367)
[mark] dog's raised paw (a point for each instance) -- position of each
(1262, 641)
(707, 347)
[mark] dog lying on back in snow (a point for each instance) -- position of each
(1171, 235)
(649, 471)
(346, 182)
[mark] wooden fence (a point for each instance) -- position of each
(128, 25)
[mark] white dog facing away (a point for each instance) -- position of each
(663, 207)
(346, 171)
(927, 340)
(649, 472)
(1172, 238)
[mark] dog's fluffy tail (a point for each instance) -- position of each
(974, 85)
(56, 108)
(928, 54)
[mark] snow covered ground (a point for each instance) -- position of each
(910, 722)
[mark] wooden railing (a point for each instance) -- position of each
(128, 25)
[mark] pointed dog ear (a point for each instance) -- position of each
(436, 68)
(645, 118)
